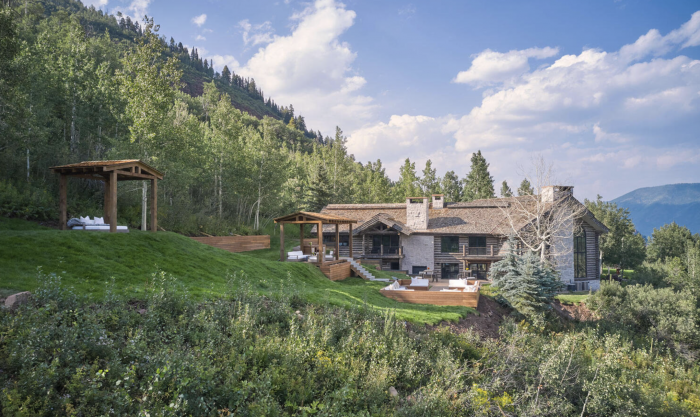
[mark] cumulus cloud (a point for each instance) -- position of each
(614, 120)
(312, 68)
(221, 60)
(97, 3)
(200, 38)
(256, 34)
(199, 20)
(489, 67)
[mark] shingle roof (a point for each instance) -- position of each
(387, 220)
(487, 216)
(317, 216)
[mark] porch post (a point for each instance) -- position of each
(154, 205)
(337, 241)
(363, 244)
(321, 255)
(63, 200)
(350, 240)
(283, 254)
(113, 201)
(107, 204)
(301, 237)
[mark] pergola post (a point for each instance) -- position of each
(113, 201)
(321, 253)
(107, 204)
(63, 201)
(337, 241)
(283, 254)
(154, 205)
(301, 237)
(350, 240)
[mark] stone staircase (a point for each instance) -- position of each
(362, 272)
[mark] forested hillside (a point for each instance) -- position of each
(77, 84)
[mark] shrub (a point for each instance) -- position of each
(26, 202)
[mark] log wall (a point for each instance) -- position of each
(236, 243)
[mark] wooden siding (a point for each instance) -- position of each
(453, 258)
(438, 298)
(236, 243)
(336, 270)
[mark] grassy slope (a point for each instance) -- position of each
(573, 298)
(87, 261)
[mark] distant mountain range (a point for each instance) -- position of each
(653, 207)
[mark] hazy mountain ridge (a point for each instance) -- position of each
(653, 207)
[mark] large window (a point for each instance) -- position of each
(449, 271)
(580, 255)
(477, 245)
(480, 270)
(450, 244)
(390, 243)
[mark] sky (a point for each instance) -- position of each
(608, 91)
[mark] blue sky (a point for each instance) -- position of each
(607, 91)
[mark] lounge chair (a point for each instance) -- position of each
(296, 255)
(94, 225)
(419, 284)
(313, 258)
(394, 286)
(457, 283)
(330, 256)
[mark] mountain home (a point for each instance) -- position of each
(456, 239)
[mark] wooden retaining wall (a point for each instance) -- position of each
(336, 270)
(438, 298)
(236, 243)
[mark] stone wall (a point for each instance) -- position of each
(563, 251)
(418, 251)
(417, 213)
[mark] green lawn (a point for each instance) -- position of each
(573, 298)
(88, 260)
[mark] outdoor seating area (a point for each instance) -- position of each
(418, 291)
(93, 225)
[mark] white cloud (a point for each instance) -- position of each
(312, 69)
(611, 120)
(256, 34)
(221, 60)
(200, 38)
(139, 8)
(97, 3)
(199, 20)
(489, 67)
(407, 10)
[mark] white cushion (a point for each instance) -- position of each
(295, 253)
(403, 289)
(458, 283)
(448, 290)
(419, 282)
(470, 288)
(99, 220)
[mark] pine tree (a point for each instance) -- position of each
(318, 191)
(430, 183)
(226, 75)
(407, 186)
(478, 184)
(525, 188)
(525, 282)
(505, 190)
(450, 187)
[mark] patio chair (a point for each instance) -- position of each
(419, 284)
(296, 256)
(313, 258)
(330, 256)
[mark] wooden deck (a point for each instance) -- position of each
(236, 243)
(438, 298)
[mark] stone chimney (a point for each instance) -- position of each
(417, 212)
(438, 201)
(552, 193)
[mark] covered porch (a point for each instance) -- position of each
(302, 218)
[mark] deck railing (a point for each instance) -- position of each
(386, 250)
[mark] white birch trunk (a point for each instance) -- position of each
(144, 205)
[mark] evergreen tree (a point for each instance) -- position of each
(318, 192)
(429, 183)
(525, 282)
(478, 184)
(525, 188)
(407, 186)
(226, 75)
(450, 187)
(505, 190)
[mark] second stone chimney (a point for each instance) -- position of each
(552, 193)
(438, 201)
(417, 212)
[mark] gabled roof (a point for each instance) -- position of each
(127, 169)
(385, 219)
(309, 217)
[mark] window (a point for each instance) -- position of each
(580, 255)
(478, 270)
(390, 243)
(344, 240)
(477, 241)
(449, 271)
(328, 239)
(394, 266)
(450, 244)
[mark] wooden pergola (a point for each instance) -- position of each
(110, 172)
(319, 219)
